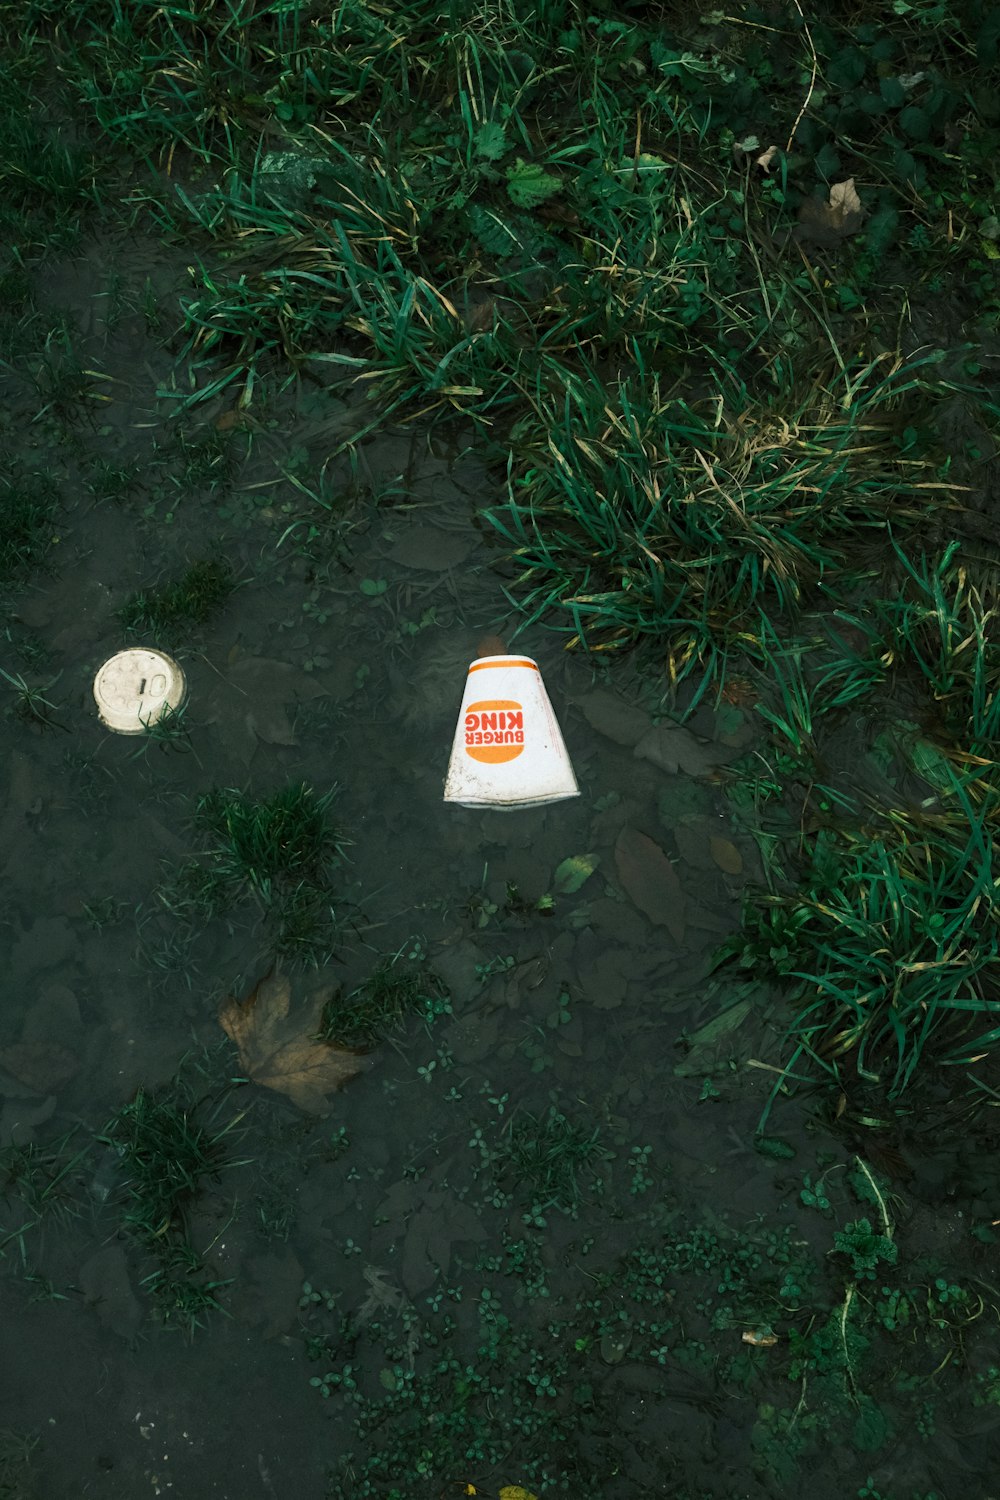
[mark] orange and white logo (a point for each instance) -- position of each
(494, 730)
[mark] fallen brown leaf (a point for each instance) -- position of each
(43, 1066)
(280, 1050)
(829, 223)
(247, 703)
(651, 880)
(760, 1338)
(726, 855)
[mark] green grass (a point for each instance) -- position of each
(256, 842)
(172, 1147)
(42, 1177)
(279, 852)
(378, 1007)
(166, 1154)
(888, 948)
(711, 412)
(548, 1157)
(28, 510)
(30, 704)
(169, 611)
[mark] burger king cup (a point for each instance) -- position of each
(508, 751)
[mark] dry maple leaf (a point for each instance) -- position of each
(248, 702)
(280, 1050)
(829, 223)
(43, 1066)
(651, 880)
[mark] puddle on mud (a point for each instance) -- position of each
(402, 1231)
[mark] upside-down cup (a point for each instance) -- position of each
(508, 751)
(135, 688)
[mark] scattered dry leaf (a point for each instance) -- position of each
(651, 880)
(105, 1284)
(829, 223)
(760, 1338)
(230, 419)
(614, 717)
(430, 549)
(247, 703)
(726, 855)
(767, 157)
(674, 748)
(43, 1066)
(280, 1051)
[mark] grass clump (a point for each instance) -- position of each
(173, 607)
(888, 948)
(171, 1145)
(18, 1475)
(642, 513)
(166, 1153)
(260, 842)
(42, 1177)
(548, 1155)
(27, 526)
(279, 852)
(362, 1018)
(30, 704)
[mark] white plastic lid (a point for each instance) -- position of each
(135, 688)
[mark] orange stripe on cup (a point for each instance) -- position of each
(499, 663)
(494, 730)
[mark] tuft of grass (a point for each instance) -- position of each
(164, 611)
(261, 842)
(889, 949)
(41, 1177)
(171, 1145)
(280, 851)
(365, 1016)
(30, 703)
(644, 514)
(548, 1155)
(166, 1154)
(27, 526)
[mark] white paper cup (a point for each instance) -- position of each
(136, 687)
(508, 751)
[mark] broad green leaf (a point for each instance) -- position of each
(871, 1428)
(720, 1025)
(769, 1145)
(726, 855)
(929, 763)
(491, 141)
(528, 183)
(914, 121)
(573, 872)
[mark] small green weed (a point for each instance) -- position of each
(865, 1248)
(42, 1177)
(30, 703)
